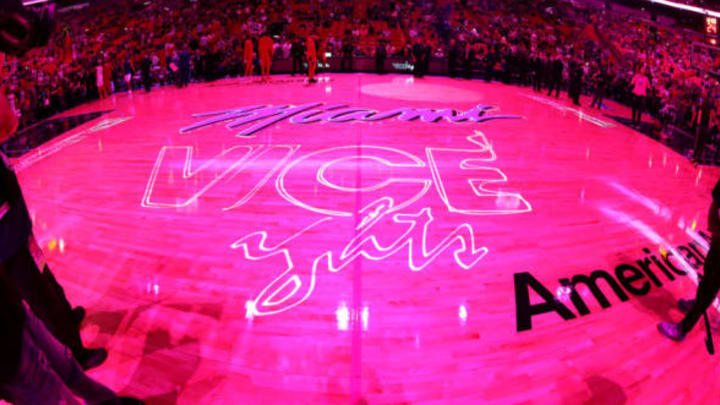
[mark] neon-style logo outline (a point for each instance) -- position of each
(416, 163)
(476, 184)
(267, 298)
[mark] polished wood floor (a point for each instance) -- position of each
(370, 261)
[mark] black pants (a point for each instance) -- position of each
(708, 288)
(574, 91)
(537, 79)
(46, 298)
(380, 65)
(297, 65)
(346, 63)
(702, 139)
(598, 98)
(554, 85)
(184, 77)
(147, 83)
(638, 104)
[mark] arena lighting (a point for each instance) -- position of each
(687, 7)
(34, 2)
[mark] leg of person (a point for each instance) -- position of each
(48, 302)
(704, 297)
(707, 290)
(61, 361)
(312, 65)
(35, 381)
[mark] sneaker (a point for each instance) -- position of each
(91, 358)
(671, 331)
(685, 305)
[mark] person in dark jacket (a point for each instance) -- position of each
(454, 53)
(22, 260)
(468, 60)
(346, 64)
(418, 55)
(538, 69)
(184, 68)
(297, 53)
(600, 83)
(576, 77)
(555, 75)
(145, 72)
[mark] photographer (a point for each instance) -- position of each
(36, 368)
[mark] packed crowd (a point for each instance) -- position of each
(107, 48)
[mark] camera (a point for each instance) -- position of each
(22, 28)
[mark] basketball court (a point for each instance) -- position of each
(375, 238)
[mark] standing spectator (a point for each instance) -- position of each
(555, 75)
(107, 77)
(248, 57)
(100, 79)
(454, 52)
(311, 56)
(129, 72)
(427, 49)
(576, 77)
(538, 68)
(640, 85)
(600, 83)
(347, 55)
(145, 70)
(322, 55)
(380, 55)
(418, 54)
(469, 60)
(265, 51)
(297, 51)
(184, 67)
(707, 107)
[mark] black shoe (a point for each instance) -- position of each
(78, 314)
(91, 358)
(685, 305)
